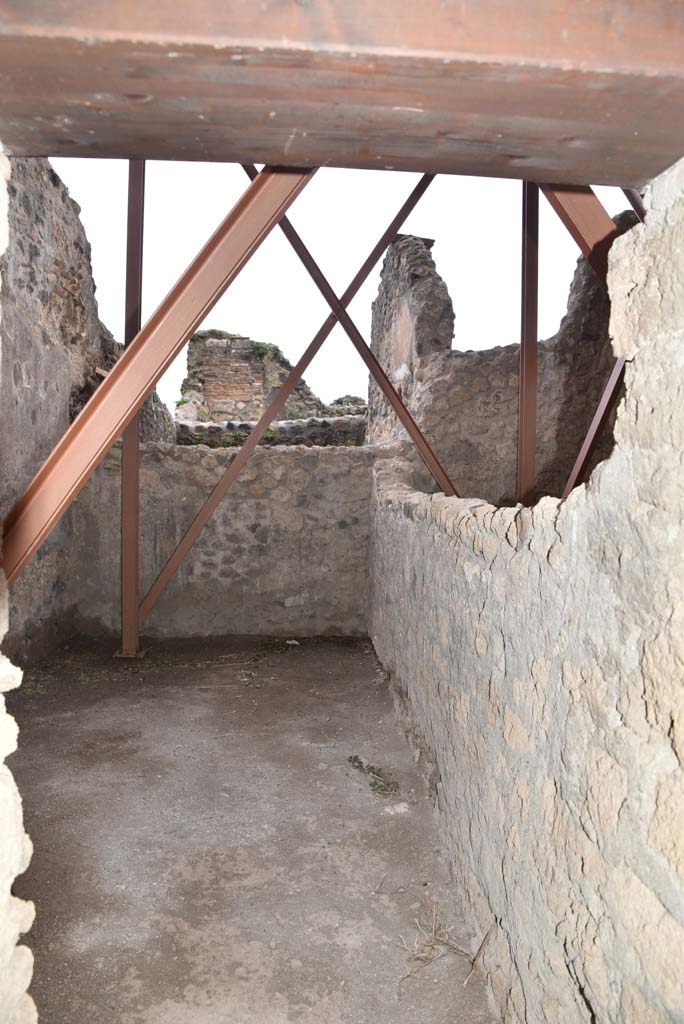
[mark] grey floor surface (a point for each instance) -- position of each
(206, 853)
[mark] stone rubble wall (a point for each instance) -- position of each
(286, 552)
(53, 346)
(16, 916)
(340, 431)
(466, 403)
(539, 655)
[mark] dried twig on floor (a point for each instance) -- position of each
(432, 942)
(478, 955)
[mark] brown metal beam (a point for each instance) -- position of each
(636, 202)
(375, 369)
(605, 407)
(565, 91)
(594, 231)
(527, 387)
(587, 221)
(134, 376)
(130, 450)
(244, 453)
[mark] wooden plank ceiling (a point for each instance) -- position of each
(574, 91)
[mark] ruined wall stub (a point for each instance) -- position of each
(537, 654)
(466, 403)
(231, 377)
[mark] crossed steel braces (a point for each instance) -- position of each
(112, 411)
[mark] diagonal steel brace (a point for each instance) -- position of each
(116, 401)
(248, 447)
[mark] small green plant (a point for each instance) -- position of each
(182, 401)
(380, 782)
(260, 349)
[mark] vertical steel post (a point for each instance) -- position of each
(130, 452)
(527, 391)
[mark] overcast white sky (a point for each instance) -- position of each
(475, 223)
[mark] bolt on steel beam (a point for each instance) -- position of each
(244, 453)
(134, 376)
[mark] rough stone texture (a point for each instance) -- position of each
(16, 916)
(230, 866)
(467, 402)
(232, 377)
(53, 344)
(155, 422)
(344, 431)
(285, 553)
(538, 654)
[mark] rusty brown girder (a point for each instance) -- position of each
(134, 376)
(568, 90)
(611, 391)
(244, 453)
(527, 375)
(586, 219)
(635, 200)
(600, 418)
(130, 448)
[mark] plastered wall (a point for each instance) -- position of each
(16, 916)
(538, 655)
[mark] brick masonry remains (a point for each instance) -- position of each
(232, 378)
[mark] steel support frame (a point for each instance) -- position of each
(610, 392)
(636, 202)
(587, 221)
(130, 448)
(599, 420)
(113, 410)
(594, 231)
(338, 314)
(527, 387)
(133, 378)
(357, 340)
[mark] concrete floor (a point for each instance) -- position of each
(205, 853)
